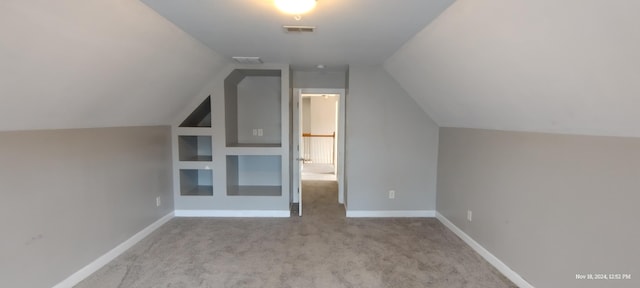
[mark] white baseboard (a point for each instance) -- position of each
(493, 260)
(94, 266)
(391, 214)
(234, 213)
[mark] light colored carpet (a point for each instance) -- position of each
(313, 171)
(321, 249)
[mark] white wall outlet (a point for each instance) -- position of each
(392, 194)
(469, 215)
(260, 132)
(158, 201)
(255, 132)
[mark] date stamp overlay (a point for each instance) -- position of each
(603, 276)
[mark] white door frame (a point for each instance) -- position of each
(297, 136)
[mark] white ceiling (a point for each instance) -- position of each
(348, 31)
(570, 66)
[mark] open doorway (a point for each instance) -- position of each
(319, 139)
(319, 135)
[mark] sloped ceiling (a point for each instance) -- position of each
(552, 66)
(348, 31)
(72, 64)
(569, 66)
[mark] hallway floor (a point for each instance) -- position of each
(313, 171)
(321, 249)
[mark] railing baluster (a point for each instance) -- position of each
(319, 148)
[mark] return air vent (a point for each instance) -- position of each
(247, 60)
(299, 29)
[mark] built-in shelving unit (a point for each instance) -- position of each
(231, 149)
(195, 152)
(254, 175)
(195, 148)
(253, 108)
(196, 182)
(200, 117)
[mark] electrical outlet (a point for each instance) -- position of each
(392, 194)
(158, 201)
(255, 132)
(260, 132)
(469, 215)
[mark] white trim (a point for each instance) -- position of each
(233, 213)
(341, 114)
(391, 214)
(493, 260)
(94, 266)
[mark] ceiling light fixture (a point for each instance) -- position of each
(295, 7)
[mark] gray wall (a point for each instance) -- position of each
(391, 144)
(323, 115)
(306, 114)
(259, 108)
(69, 196)
(259, 170)
(549, 206)
(319, 79)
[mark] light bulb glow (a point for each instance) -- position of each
(296, 7)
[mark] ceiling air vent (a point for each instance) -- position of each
(247, 60)
(299, 29)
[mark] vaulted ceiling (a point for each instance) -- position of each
(566, 66)
(77, 64)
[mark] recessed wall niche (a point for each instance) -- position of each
(196, 182)
(254, 175)
(195, 148)
(253, 108)
(200, 117)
